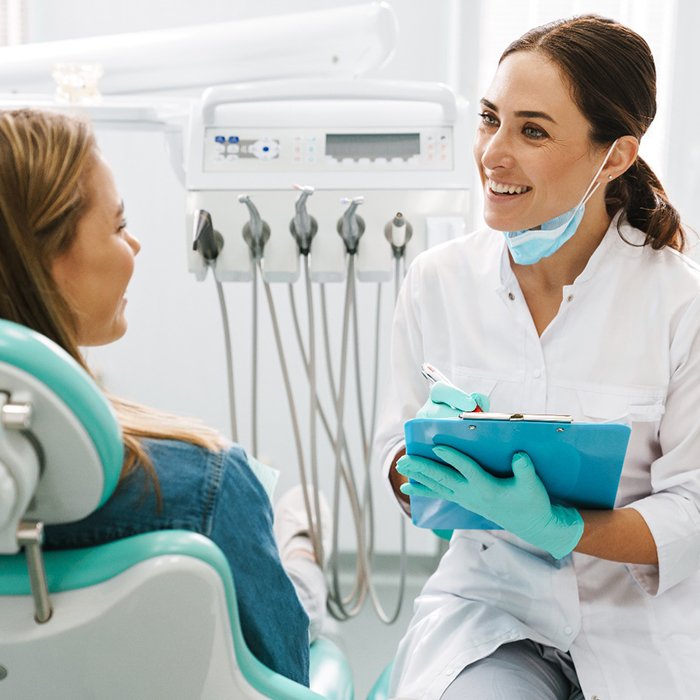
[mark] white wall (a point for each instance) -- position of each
(682, 176)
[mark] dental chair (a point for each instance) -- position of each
(143, 618)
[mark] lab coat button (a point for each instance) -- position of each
(568, 630)
(537, 373)
(570, 298)
(511, 296)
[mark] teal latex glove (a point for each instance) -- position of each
(519, 504)
(447, 401)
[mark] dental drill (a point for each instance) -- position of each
(398, 232)
(209, 243)
(304, 227)
(256, 234)
(351, 226)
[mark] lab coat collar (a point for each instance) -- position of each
(504, 277)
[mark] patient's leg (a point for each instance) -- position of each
(291, 527)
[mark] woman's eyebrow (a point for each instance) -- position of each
(523, 113)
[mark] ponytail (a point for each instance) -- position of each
(642, 197)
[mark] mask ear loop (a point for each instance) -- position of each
(594, 184)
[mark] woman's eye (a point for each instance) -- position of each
(533, 132)
(488, 119)
(122, 226)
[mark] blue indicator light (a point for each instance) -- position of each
(266, 149)
(220, 139)
(233, 139)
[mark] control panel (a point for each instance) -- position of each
(231, 149)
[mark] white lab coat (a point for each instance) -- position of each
(625, 345)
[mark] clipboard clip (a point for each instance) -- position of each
(535, 417)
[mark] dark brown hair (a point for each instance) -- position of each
(613, 81)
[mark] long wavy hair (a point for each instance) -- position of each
(45, 161)
(612, 75)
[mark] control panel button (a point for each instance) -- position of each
(265, 149)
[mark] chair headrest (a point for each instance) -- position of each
(73, 430)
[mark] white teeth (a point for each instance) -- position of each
(506, 189)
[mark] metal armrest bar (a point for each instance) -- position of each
(30, 535)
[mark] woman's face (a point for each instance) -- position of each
(532, 145)
(94, 272)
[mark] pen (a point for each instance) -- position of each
(434, 375)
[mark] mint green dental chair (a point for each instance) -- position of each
(147, 617)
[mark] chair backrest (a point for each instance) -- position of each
(60, 445)
(153, 615)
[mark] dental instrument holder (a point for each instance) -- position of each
(303, 226)
(351, 226)
(206, 240)
(397, 143)
(398, 232)
(256, 233)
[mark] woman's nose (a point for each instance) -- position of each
(497, 151)
(134, 243)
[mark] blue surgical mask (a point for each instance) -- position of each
(530, 245)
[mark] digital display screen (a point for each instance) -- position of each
(372, 146)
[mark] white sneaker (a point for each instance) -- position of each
(291, 523)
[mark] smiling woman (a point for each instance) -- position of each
(94, 272)
(657, 23)
(66, 259)
(575, 300)
(535, 156)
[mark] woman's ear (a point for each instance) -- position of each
(621, 158)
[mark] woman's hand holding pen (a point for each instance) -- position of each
(447, 401)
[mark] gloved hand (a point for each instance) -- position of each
(447, 401)
(519, 504)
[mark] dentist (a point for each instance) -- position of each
(575, 299)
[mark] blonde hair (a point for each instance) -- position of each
(45, 160)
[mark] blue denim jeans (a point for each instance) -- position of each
(217, 495)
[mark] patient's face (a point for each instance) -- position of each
(94, 272)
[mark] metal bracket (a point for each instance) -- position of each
(30, 535)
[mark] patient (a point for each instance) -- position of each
(66, 258)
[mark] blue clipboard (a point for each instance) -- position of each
(579, 463)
